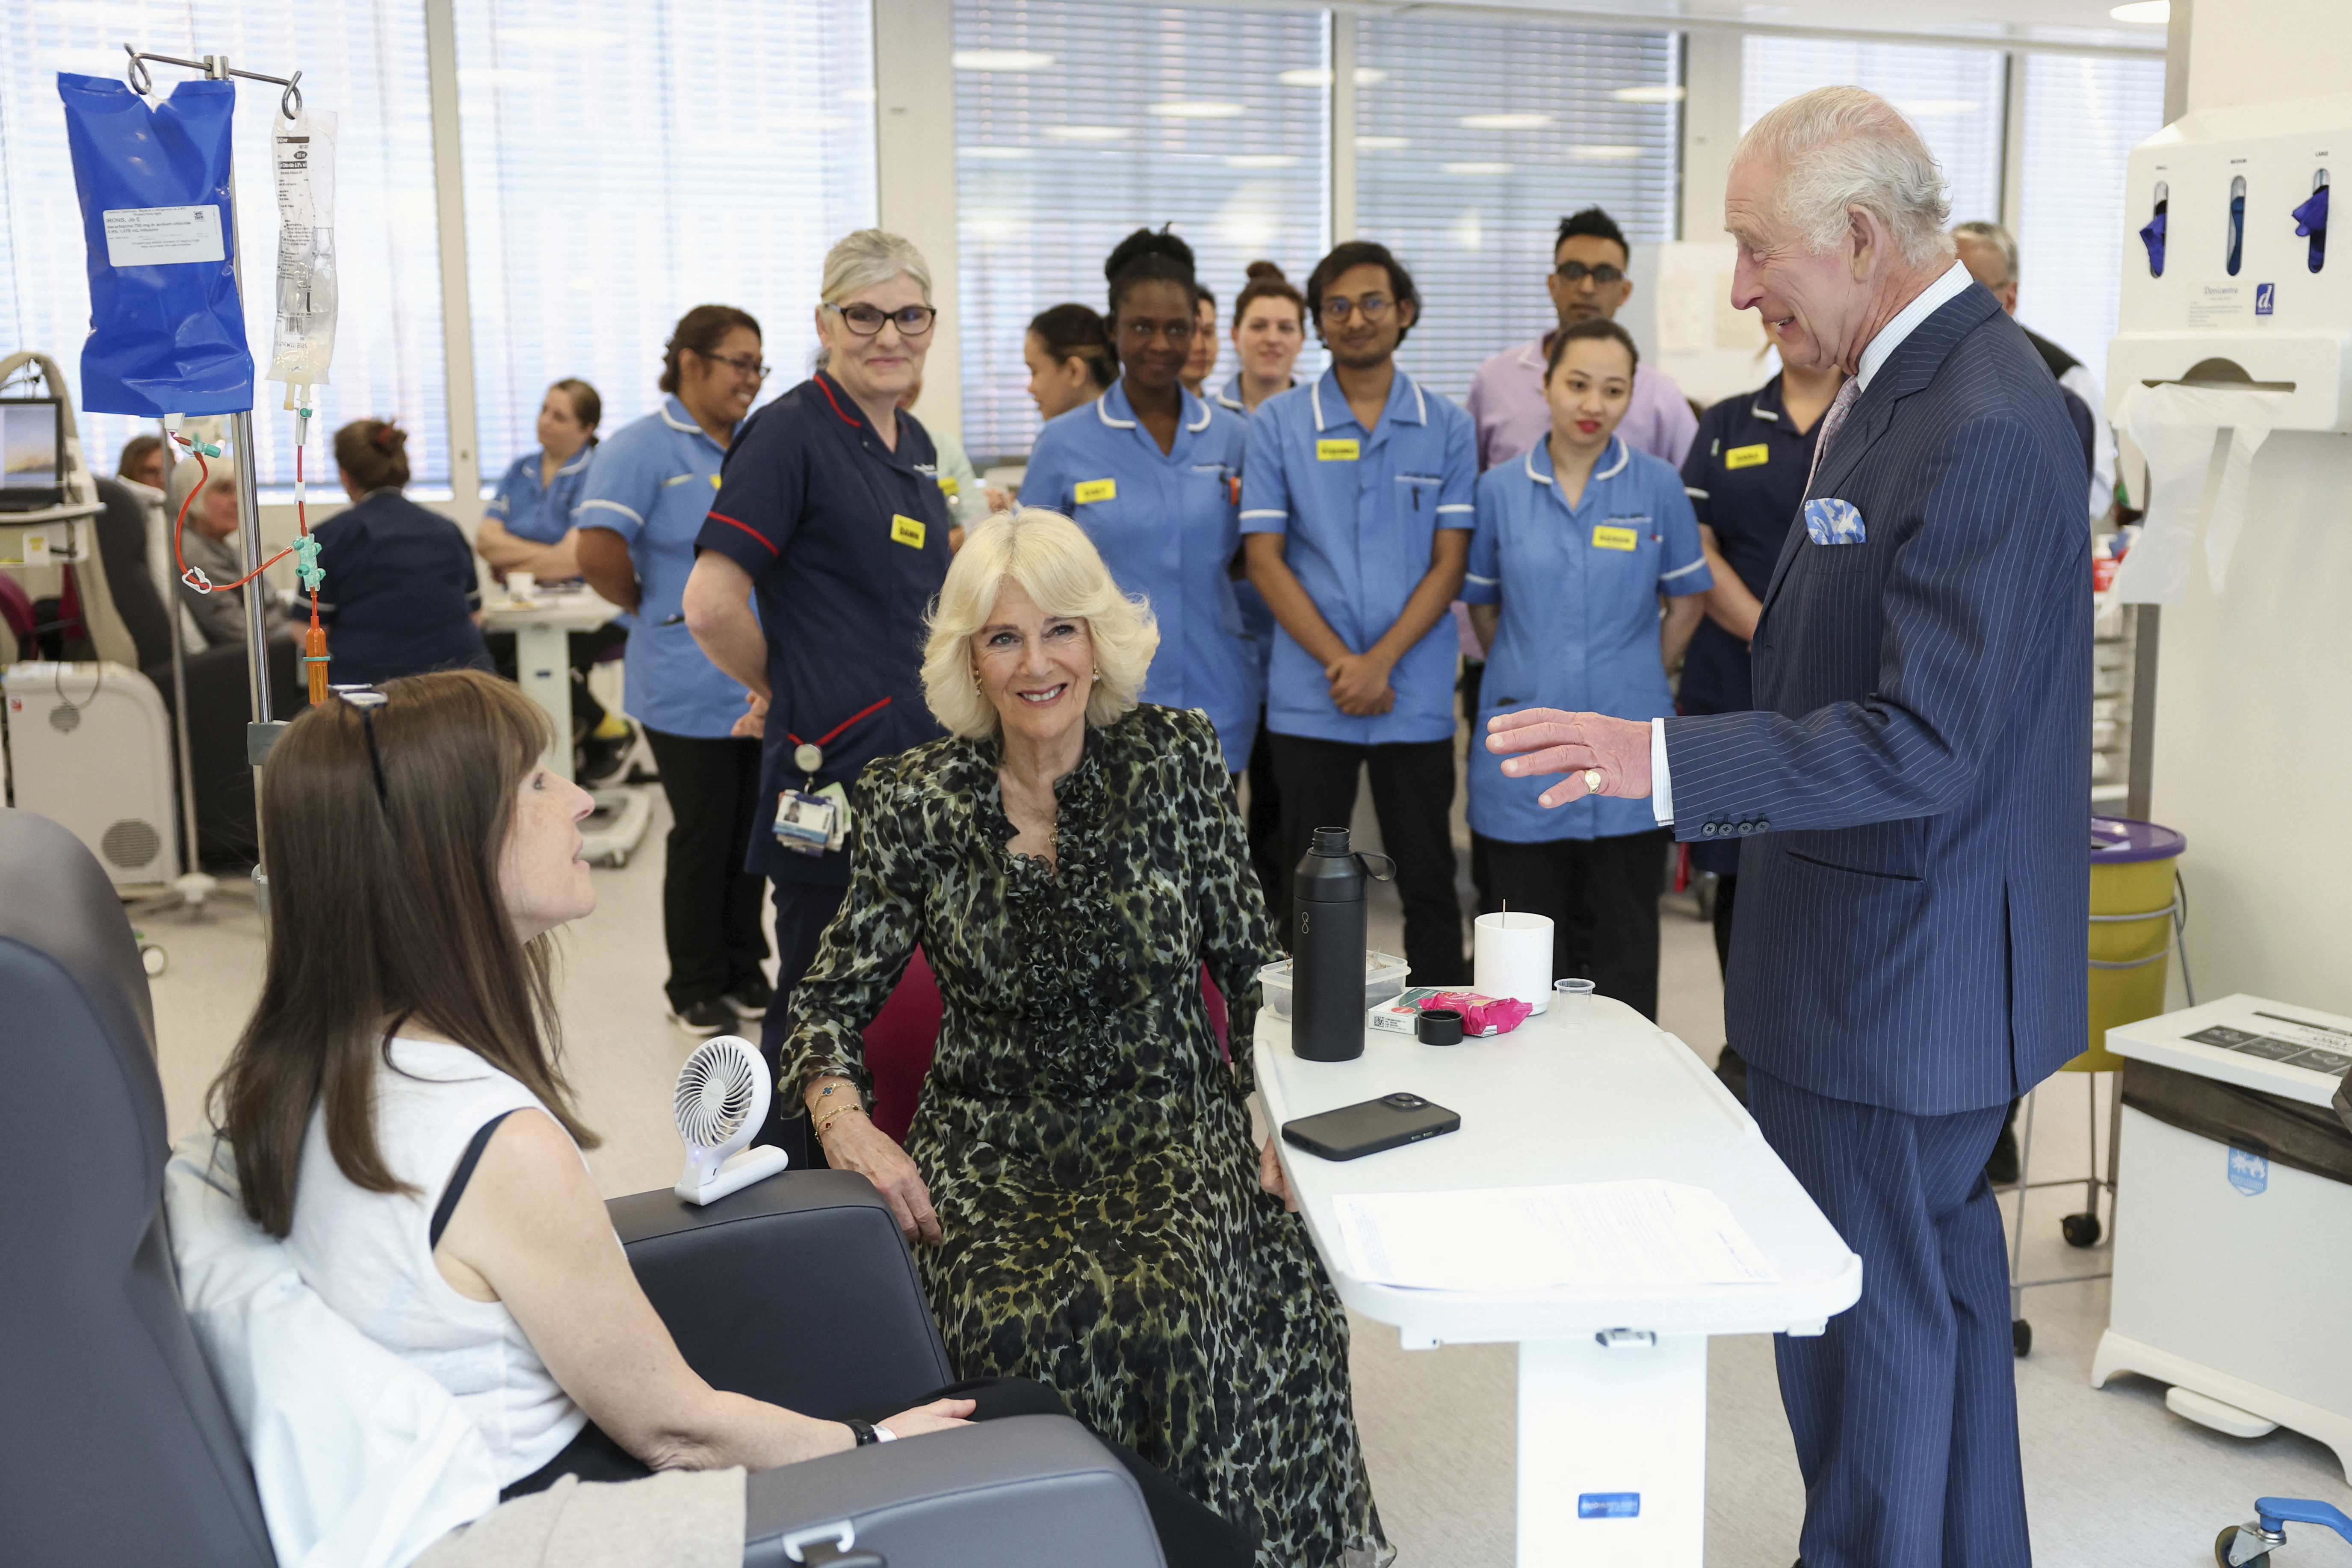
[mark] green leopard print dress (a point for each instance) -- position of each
(1088, 1152)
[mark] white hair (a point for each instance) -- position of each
(1837, 148)
(219, 473)
(1985, 232)
(1058, 567)
(859, 261)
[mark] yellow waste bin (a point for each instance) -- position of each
(2131, 929)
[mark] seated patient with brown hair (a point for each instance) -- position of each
(399, 1112)
(400, 591)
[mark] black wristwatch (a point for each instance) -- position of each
(868, 1434)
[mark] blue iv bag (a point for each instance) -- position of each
(166, 328)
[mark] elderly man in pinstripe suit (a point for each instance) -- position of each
(1911, 797)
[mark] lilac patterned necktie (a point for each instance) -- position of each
(1830, 424)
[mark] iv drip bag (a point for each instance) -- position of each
(166, 329)
(303, 151)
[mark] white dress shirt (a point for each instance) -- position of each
(1876, 352)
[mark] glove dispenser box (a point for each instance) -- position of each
(2219, 288)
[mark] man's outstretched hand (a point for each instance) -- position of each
(1536, 740)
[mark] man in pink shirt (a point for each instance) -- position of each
(1588, 279)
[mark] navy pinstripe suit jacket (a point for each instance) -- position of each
(1912, 791)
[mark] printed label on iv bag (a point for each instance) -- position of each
(158, 237)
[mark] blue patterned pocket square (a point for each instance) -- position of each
(1832, 521)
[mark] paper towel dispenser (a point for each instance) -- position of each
(2227, 282)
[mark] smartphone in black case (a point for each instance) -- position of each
(1354, 1130)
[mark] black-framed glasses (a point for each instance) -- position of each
(1575, 272)
(367, 699)
(742, 364)
(865, 320)
(1373, 307)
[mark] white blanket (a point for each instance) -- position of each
(362, 1459)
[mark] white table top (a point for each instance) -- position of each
(575, 610)
(1608, 1097)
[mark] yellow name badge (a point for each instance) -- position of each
(1337, 451)
(947, 483)
(906, 529)
(1097, 489)
(1607, 538)
(1747, 457)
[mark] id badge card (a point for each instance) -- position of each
(806, 823)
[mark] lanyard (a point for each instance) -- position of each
(809, 755)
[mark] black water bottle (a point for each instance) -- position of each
(1326, 972)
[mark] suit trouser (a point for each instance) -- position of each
(711, 905)
(1905, 1411)
(1601, 898)
(1412, 795)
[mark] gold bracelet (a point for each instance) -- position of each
(827, 1125)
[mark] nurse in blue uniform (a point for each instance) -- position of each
(642, 503)
(1152, 473)
(401, 594)
(1577, 540)
(831, 517)
(527, 526)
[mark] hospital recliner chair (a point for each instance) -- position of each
(116, 1447)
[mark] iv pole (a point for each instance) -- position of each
(263, 729)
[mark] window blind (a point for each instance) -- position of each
(364, 59)
(1954, 97)
(1078, 123)
(2083, 115)
(1474, 139)
(625, 162)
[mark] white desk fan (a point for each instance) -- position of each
(721, 1103)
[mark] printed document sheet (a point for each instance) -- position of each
(1598, 1236)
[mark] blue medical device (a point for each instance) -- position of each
(2251, 1545)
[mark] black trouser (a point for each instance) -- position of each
(1727, 890)
(1473, 674)
(711, 905)
(1601, 895)
(1189, 1533)
(1265, 824)
(586, 648)
(803, 911)
(1412, 795)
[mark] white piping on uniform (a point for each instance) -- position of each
(1267, 511)
(1695, 494)
(611, 506)
(1473, 577)
(1206, 415)
(1102, 412)
(1420, 404)
(1315, 395)
(577, 463)
(690, 428)
(1682, 571)
(1758, 411)
(1625, 456)
(1457, 506)
(1530, 462)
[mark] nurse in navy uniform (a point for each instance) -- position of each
(829, 511)
(1746, 477)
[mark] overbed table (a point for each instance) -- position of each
(1611, 1387)
(543, 627)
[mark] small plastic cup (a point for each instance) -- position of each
(1570, 990)
(522, 586)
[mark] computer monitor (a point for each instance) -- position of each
(32, 453)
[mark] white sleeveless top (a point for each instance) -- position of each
(370, 1255)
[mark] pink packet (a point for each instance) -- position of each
(1482, 1016)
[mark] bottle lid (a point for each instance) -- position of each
(1438, 1026)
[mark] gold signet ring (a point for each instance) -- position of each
(1593, 781)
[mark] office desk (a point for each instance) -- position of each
(1612, 1387)
(543, 627)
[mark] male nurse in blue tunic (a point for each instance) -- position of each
(1356, 503)
(1151, 472)
(1912, 796)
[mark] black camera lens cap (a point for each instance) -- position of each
(1438, 1026)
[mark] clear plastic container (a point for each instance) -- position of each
(1384, 978)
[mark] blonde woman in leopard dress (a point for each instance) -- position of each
(1079, 1178)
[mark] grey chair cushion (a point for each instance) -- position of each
(798, 1291)
(114, 1444)
(1030, 1492)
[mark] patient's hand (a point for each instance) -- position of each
(1270, 1177)
(852, 1143)
(939, 1416)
